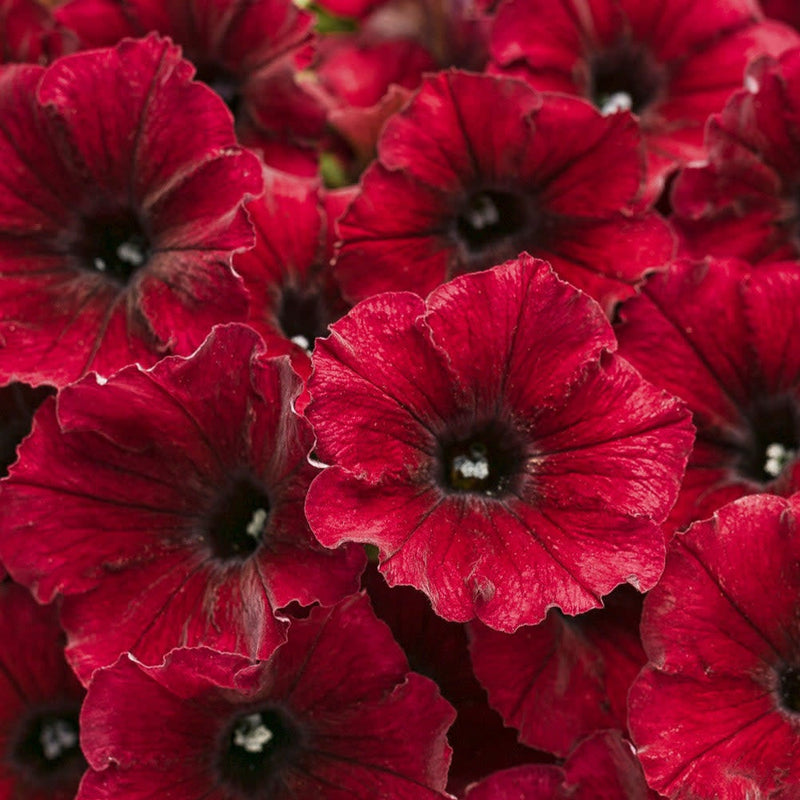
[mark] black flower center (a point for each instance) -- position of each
(256, 749)
(789, 689)
(625, 77)
(303, 316)
(487, 461)
(226, 85)
(491, 226)
(774, 440)
(47, 752)
(237, 523)
(113, 244)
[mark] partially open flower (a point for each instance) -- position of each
(478, 169)
(40, 698)
(167, 505)
(334, 714)
(493, 448)
(121, 206)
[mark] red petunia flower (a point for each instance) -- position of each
(478, 169)
(250, 53)
(716, 713)
(672, 62)
(167, 505)
(602, 767)
(40, 758)
(726, 340)
(122, 204)
(745, 201)
(334, 713)
(568, 677)
(492, 447)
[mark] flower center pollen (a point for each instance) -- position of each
(114, 245)
(237, 523)
(774, 438)
(486, 462)
(488, 218)
(257, 749)
(303, 316)
(48, 752)
(625, 77)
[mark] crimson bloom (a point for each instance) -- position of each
(672, 62)
(40, 698)
(726, 340)
(167, 505)
(452, 193)
(335, 713)
(122, 205)
(716, 713)
(745, 201)
(491, 446)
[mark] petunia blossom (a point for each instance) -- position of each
(40, 699)
(166, 505)
(671, 62)
(726, 339)
(122, 204)
(492, 447)
(477, 169)
(334, 713)
(716, 712)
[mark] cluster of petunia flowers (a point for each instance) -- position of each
(400, 399)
